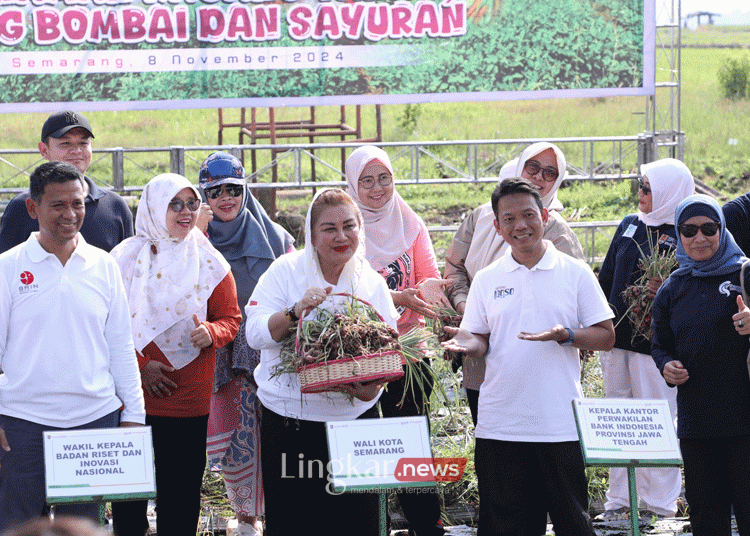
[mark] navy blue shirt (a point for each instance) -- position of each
(108, 220)
(692, 322)
(737, 216)
(620, 270)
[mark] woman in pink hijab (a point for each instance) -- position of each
(398, 246)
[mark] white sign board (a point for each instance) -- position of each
(380, 453)
(95, 465)
(626, 432)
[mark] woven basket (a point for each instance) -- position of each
(323, 376)
(319, 377)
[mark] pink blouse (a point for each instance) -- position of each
(408, 271)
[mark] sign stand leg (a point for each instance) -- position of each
(634, 518)
(383, 509)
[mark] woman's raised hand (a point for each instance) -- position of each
(433, 291)
(155, 383)
(200, 336)
(411, 299)
(653, 285)
(742, 318)
(312, 298)
(205, 216)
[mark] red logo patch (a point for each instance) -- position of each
(27, 278)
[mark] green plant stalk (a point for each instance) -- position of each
(412, 348)
(655, 265)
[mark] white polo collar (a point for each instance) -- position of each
(547, 262)
(37, 253)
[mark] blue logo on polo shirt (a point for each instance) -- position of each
(502, 292)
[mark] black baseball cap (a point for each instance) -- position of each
(59, 123)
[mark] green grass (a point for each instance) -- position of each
(708, 120)
(716, 35)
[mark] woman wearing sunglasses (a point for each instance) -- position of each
(628, 370)
(250, 242)
(477, 244)
(183, 305)
(700, 345)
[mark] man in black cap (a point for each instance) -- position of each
(66, 137)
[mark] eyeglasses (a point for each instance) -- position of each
(233, 190)
(178, 204)
(532, 167)
(645, 189)
(384, 179)
(689, 230)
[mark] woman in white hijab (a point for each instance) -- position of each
(628, 369)
(183, 305)
(477, 244)
(293, 424)
(398, 246)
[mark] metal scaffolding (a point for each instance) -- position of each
(663, 108)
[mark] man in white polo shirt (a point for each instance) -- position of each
(527, 314)
(65, 342)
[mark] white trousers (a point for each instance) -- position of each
(633, 375)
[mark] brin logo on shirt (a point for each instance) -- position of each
(727, 288)
(28, 285)
(502, 292)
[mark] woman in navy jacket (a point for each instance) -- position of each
(700, 344)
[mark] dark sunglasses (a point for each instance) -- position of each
(708, 229)
(233, 190)
(645, 189)
(549, 174)
(178, 204)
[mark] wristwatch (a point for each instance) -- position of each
(291, 314)
(569, 341)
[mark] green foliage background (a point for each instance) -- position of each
(527, 45)
(734, 77)
(532, 46)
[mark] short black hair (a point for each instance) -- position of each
(515, 185)
(52, 172)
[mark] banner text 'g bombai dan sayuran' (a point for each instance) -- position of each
(150, 54)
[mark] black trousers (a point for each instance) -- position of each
(299, 504)
(472, 396)
(520, 482)
(422, 510)
(180, 459)
(717, 477)
(22, 480)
